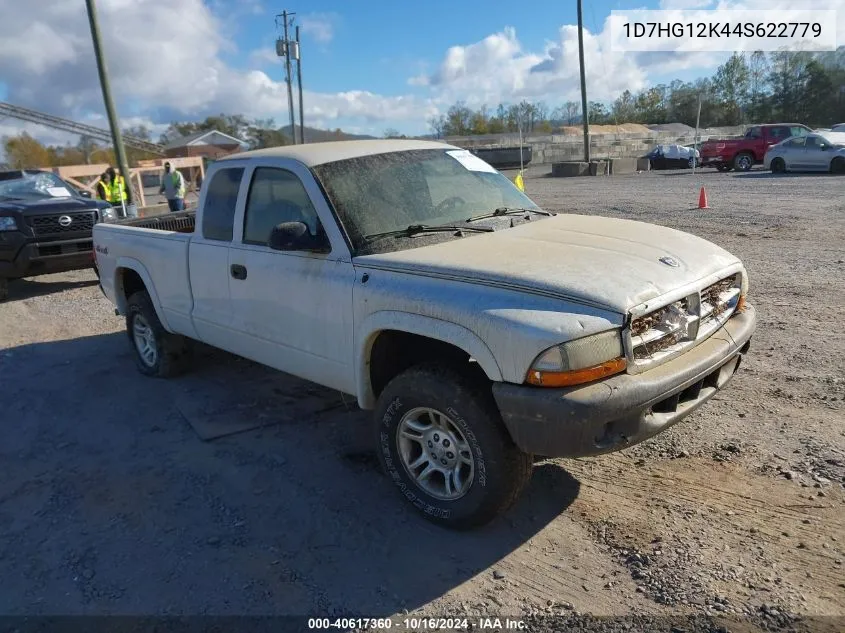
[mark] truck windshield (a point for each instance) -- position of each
(392, 191)
(32, 185)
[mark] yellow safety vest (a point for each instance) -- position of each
(117, 191)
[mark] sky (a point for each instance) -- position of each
(366, 66)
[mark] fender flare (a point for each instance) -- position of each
(444, 331)
(130, 263)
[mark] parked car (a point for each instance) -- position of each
(814, 152)
(673, 157)
(839, 127)
(743, 153)
(45, 225)
(480, 329)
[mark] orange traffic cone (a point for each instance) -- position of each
(702, 199)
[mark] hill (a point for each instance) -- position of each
(315, 135)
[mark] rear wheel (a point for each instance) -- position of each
(778, 166)
(743, 161)
(442, 442)
(157, 352)
(837, 165)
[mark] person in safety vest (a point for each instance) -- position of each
(173, 188)
(103, 186)
(116, 188)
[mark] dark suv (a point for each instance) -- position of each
(45, 225)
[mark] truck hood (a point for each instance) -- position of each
(50, 205)
(603, 262)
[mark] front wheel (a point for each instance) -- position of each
(442, 442)
(837, 165)
(778, 166)
(157, 352)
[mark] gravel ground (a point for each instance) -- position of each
(111, 504)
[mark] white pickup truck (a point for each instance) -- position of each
(481, 329)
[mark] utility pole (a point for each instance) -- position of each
(110, 111)
(285, 50)
(299, 79)
(585, 114)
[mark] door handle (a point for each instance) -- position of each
(238, 271)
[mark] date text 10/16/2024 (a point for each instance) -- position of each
(419, 624)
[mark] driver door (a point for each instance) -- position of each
(292, 310)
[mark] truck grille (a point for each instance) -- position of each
(672, 328)
(57, 224)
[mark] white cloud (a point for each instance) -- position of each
(320, 26)
(168, 60)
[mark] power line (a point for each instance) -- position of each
(66, 125)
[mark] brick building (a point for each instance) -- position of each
(211, 144)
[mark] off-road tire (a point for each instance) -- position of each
(778, 166)
(173, 352)
(4, 288)
(501, 469)
(743, 161)
(837, 165)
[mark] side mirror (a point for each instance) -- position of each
(84, 193)
(294, 236)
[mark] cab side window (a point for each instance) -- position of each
(754, 132)
(218, 214)
(276, 196)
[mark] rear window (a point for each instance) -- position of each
(218, 214)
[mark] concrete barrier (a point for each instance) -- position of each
(620, 166)
(598, 167)
(570, 168)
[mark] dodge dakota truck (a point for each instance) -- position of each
(480, 329)
(45, 225)
(743, 153)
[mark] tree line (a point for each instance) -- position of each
(748, 88)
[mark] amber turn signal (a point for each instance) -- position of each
(576, 376)
(740, 305)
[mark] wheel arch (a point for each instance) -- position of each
(130, 276)
(425, 337)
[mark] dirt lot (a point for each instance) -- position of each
(110, 503)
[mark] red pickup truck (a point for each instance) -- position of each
(743, 153)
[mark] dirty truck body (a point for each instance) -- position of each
(478, 342)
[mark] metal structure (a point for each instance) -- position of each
(299, 80)
(110, 110)
(283, 48)
(585, 113)
(66, 125)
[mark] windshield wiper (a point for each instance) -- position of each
(507, 211)
(416, 229)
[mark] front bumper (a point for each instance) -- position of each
(626, 409)
(41, 258)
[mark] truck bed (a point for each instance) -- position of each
(180, 222)
(156, 248)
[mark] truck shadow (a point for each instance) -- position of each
(293, 517)
(20, 289)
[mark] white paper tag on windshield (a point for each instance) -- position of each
(58, 192)
(470, 161)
